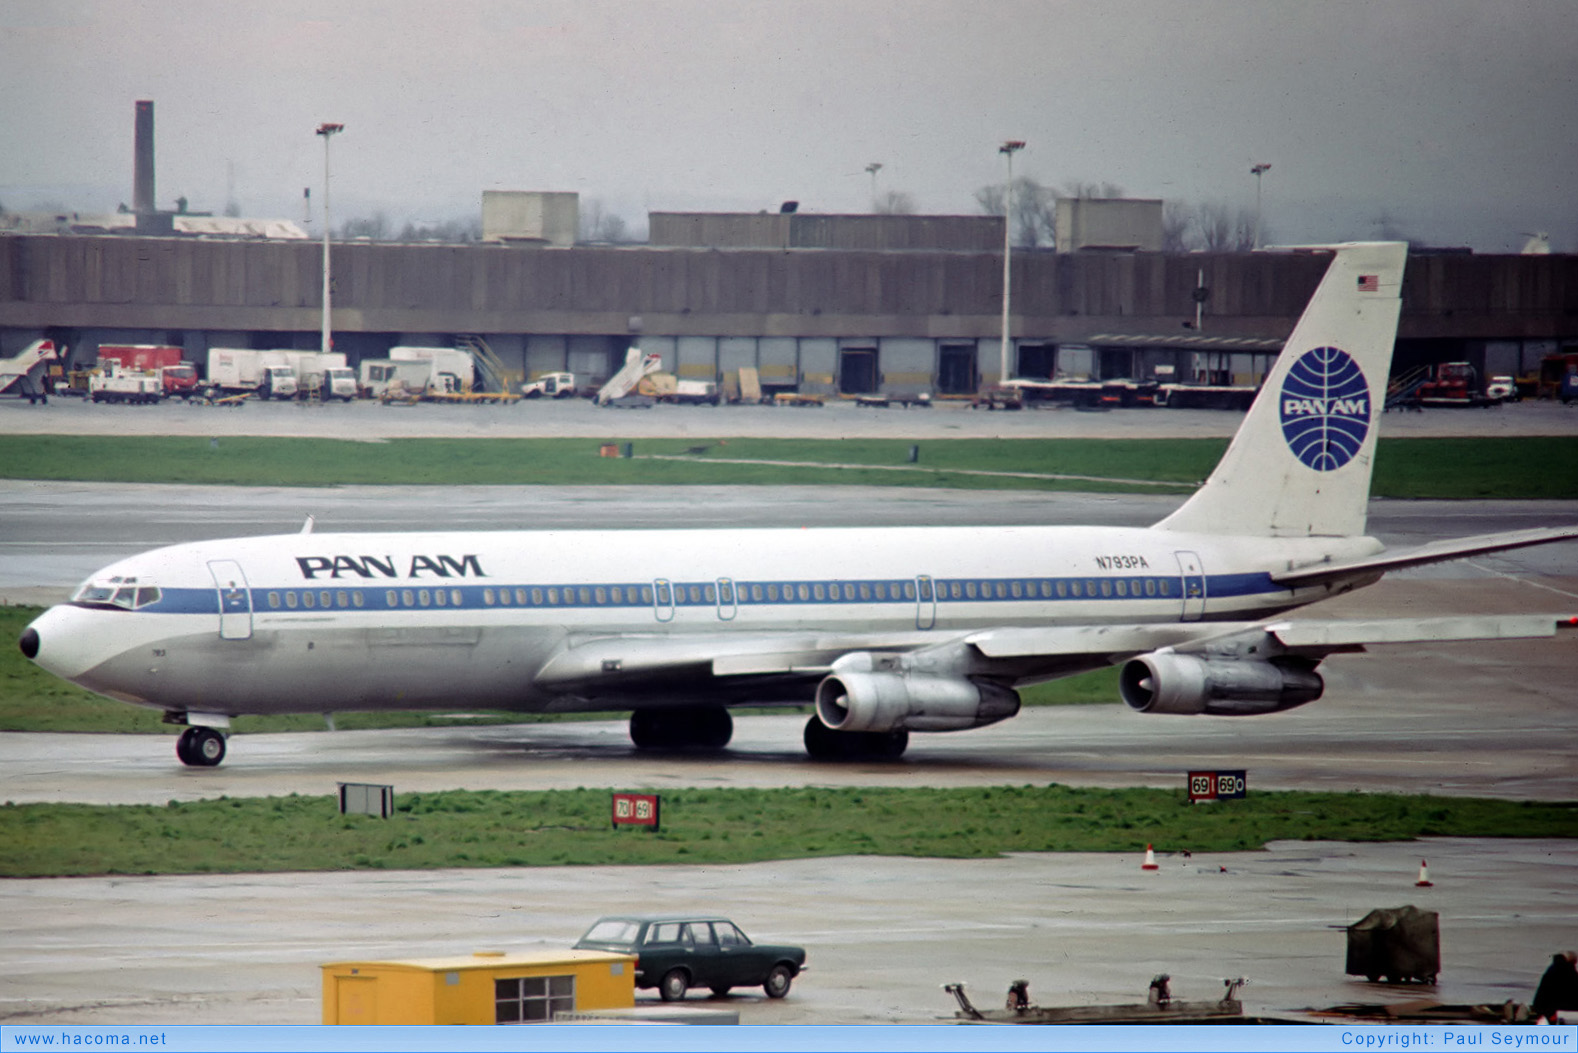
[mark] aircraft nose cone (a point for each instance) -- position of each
(29, 642)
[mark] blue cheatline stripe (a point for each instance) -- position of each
(706, 594)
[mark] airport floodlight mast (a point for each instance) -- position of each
(327, 131)
(1257, 171)
(1008, 150)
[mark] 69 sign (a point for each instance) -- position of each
(636, 809)
(1217, 785)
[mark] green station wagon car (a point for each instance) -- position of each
(676, 952)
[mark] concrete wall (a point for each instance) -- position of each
(1108, 223)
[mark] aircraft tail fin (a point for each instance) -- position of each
(1300, 463)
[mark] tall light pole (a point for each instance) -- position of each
(874, 167)
(1008, 150)
(327, 131)
(1258, 171)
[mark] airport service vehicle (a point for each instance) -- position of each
(116, 384)
(676, 952)
(886, 632)
(1502, 388)
(310, 369)
(550, 385)
(243, 371)
(1454, 384)
(177, 376)
(338, 382)
(21, 375)
(694, 392)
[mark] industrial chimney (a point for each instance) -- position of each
(142, 175)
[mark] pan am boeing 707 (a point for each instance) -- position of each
(887, 631)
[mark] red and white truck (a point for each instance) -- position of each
(177, 376)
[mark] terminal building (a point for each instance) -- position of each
(816, 303)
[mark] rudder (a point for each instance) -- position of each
(1300, 463)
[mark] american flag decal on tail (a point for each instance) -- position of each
(1369, 283)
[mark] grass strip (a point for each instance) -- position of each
(718, 826)
(1470, 468)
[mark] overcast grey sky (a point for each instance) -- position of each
(1457, 120)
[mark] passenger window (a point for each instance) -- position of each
(1062, 589)
(756, 594)
(409, 597)
(969, 590)
(536, 597)
(487, 597)
(772, 594)
(584, 594)
(440, 597)
(668, 932)
(1122, 587)
(849, 592)
(909, 590)
(1074, 589)
(1016, 589)
(273, 601)
(390, 599)
(728, 935)
(357, 599)
(700, 933)
(819, 591)
(618, 596)
(865, 590)
(803, 592)
(553, 597)
(309, 600)
(325, 600)
(1106, 587)
(424, 597)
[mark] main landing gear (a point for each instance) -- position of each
(825, 744)
(681, 728)
(200, 747)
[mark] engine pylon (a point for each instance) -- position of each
(1150, 860)
(1424, 876)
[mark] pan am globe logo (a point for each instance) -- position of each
(1325, 408)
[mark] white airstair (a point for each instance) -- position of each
(624, 382)
(19, 374)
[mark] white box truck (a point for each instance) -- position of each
(243, 371)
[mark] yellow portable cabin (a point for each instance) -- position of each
(484, 988)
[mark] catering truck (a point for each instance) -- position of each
(321, 372)
(243, 371)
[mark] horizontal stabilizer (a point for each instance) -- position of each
(1435, 552)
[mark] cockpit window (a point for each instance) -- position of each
(117, 592)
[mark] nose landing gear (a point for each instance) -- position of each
(200, 747)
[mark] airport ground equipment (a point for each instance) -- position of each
(1159, 1008)
(116, 384)
(550, 385)
(245, 371)
(489, 987)
(1395, 944)
(177, 375)
(22, 374)
(629, 375)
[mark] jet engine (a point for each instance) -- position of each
(867, 692)
(1163, 682)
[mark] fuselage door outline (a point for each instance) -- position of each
(235, 599)
(1192, 578)
(663, 599)
(925, 602)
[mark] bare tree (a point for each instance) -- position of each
(894, 203)
(1035, 211)
(1222, 229)
(599, 224)
(1074, 188)
(1178, 222)
(374, 227)
(450, 231)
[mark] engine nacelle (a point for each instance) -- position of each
(1219, 687)
(876, 693)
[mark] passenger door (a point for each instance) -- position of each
(738, 959)
(235, 599)
(1192, 578)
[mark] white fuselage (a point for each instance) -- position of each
(337, 622)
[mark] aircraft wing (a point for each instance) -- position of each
(1434, 552)
(766, 668)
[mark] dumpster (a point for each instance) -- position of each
(1397, 944)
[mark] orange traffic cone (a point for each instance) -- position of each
(1150, 860)
(1424, 876)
